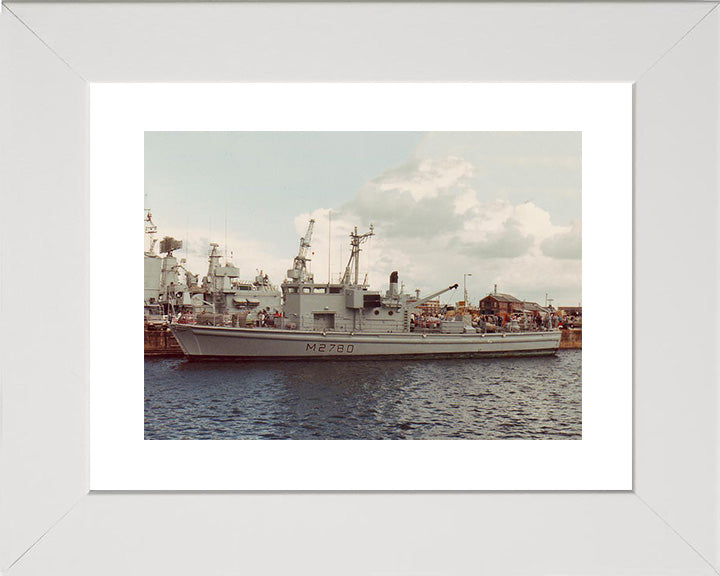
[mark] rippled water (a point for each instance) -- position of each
(531, 398)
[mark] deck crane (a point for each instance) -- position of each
(422, 301)
(299, 270)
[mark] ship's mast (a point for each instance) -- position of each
(355, 241)
(213, 260)
(150, 231)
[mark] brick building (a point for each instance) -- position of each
(497, 303)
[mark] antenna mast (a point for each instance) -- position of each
(150, 231)
(355, 241)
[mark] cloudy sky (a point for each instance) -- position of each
(502, 206)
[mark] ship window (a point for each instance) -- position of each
(390, 313)
(376, 312)
(319, 290)
(371, 301)
(292, 290)
(335, 290)
(306, 290)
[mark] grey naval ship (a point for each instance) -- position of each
(347, 320)
(220, 294)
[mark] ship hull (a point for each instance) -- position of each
(225, 343)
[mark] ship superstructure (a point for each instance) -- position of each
(224, 293)
(165, 289)
(347, 306)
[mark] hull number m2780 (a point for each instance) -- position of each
(338, 348)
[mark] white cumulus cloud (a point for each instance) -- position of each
(434, 225)
(428, 178)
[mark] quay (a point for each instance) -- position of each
(159, 341)
(571, 339)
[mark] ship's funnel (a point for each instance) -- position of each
(394, 283)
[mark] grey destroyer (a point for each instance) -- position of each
(220, 294)
(345, 319)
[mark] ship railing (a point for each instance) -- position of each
(156, 321)
(234, 320)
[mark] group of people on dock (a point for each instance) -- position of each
(519, 321)
(491, 322)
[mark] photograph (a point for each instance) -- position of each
(362, 285)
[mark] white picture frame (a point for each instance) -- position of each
(49, 523)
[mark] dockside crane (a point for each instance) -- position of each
(299, 270)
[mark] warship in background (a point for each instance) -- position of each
(347, 320)
(173, 293)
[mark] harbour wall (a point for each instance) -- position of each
(161, 342)
(571, 339)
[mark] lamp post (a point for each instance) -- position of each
(465, 289)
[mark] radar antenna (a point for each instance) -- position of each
(299, 269)
(169, 244)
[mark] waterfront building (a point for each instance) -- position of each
(497, 303)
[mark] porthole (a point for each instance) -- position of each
(376, 312)
(390, 313)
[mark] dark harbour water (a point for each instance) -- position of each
(500, 398)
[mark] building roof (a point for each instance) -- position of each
(502, 297)
(534, 307)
